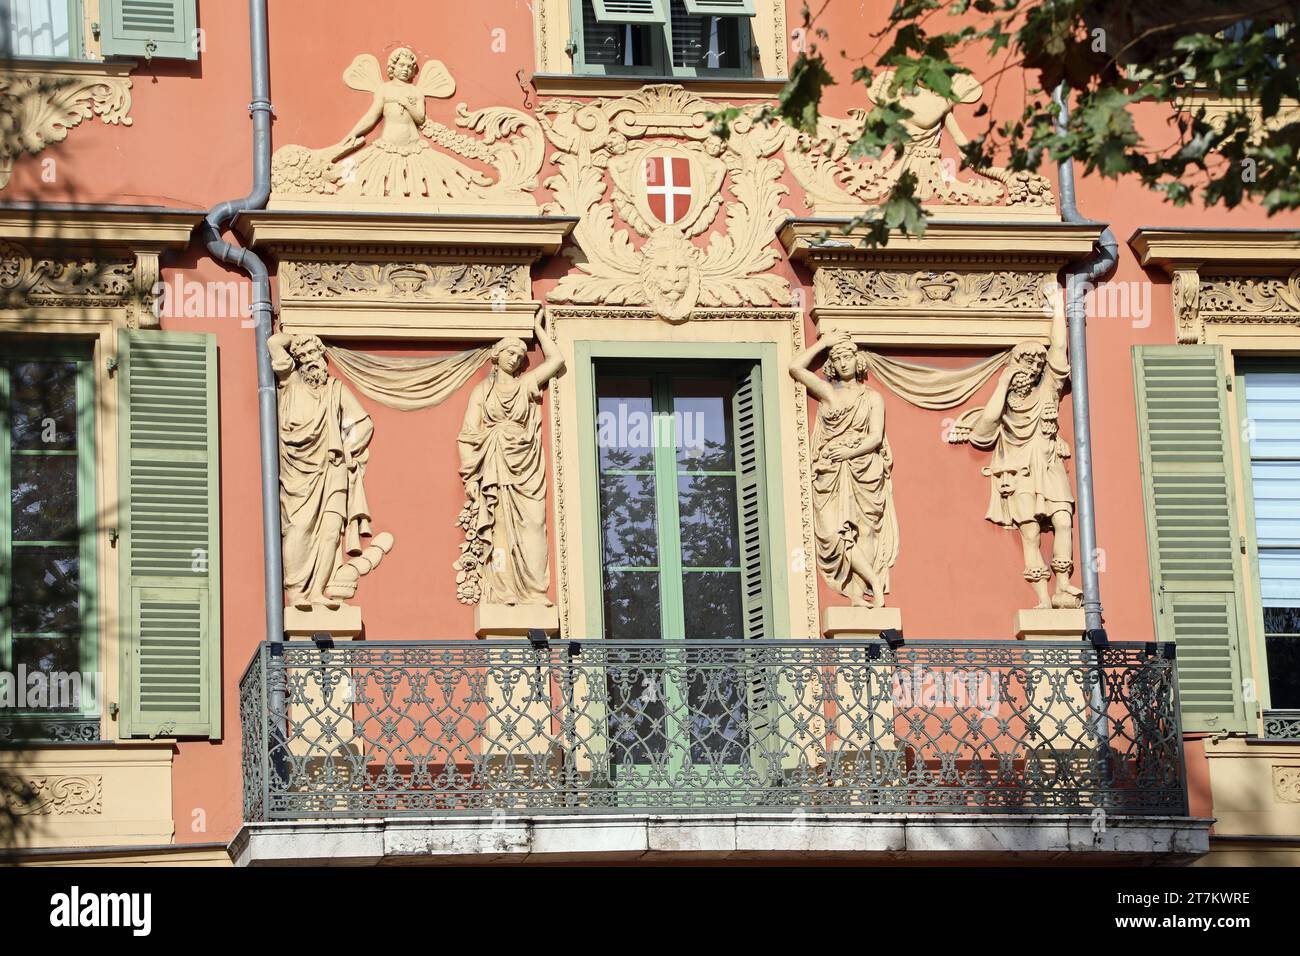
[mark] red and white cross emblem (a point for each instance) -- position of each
(668, 187)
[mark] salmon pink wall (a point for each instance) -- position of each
(189, 147)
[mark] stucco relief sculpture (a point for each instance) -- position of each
(324, 447)
(852, 491)
(666, 172)
(504, 557)
(1030, 490)
(40, 103)
(835, 181)
(415, 159)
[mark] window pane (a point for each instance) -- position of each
(627, 520)
(45, 589)
(43, 495)
(711, 605)
(1283, 671)
(1279, 578)
(702, 425)
(1277, 503)
(43, 405)
(706, 506)
(613, 44)
(1273, 410)
(1282, 620)
(708, 43)
(36, 28)
(59, 659)
(632, 605)
(625, 427)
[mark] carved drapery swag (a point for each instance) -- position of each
(933, 388)
(407, 383)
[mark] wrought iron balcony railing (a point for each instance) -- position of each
(378, 729)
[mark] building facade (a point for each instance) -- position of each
(614, 500)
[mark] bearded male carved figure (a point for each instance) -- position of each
(852, 490)
(504, 557)
(324, 440)
(1030, 487)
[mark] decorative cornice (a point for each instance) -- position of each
(41, 102)
(822, 242)
(596, 85)
(1246, 249)
(504, 238)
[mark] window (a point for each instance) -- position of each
(148, 29)
(681, 499)
(41, 28)
(47, 532)
(663, 37)
(1272, 396)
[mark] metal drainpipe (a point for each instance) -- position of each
(212, 229)
(1077, 275)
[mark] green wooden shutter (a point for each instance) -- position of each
(1192, 535)
(747, 432)
(158, 29)
(747, 429)
(170, 543)
(630, 11)
(720, 8)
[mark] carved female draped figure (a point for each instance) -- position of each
(853, 501)
(504, 560)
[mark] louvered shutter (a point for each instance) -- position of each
(630, 11)
(170, 547)
(158, 29)
(719, 8)
(755, 573)
(1192, 528)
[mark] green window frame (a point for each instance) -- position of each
(1245, 367)
(81, 723)
(652, 21)
(773, 583)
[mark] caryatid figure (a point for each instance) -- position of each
(504, 558)
(853, 499)
(1030, 487)
(324, 441)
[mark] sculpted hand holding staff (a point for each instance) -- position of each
(504, 558)
(853, 501)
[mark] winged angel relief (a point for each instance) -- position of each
(838, 184)
(667, 172)
(415, 159)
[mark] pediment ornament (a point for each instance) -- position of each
(839, 183)
(647, 177)
(487, 164)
